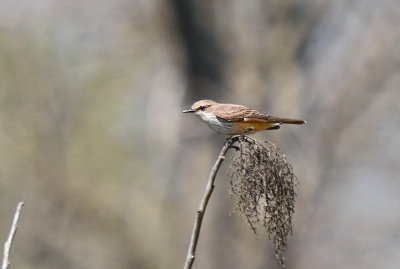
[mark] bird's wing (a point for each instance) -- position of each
(239, 113)
(242, 113)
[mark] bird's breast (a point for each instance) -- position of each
(217, 124)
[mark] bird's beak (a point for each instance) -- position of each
(188, 111)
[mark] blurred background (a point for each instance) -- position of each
(92, 137)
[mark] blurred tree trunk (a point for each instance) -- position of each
(204, 55)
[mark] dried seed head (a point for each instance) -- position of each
(264, 185)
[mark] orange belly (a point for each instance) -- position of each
(241, 127)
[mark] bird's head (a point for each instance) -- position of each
(200, 106)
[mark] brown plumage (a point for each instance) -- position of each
(233, 119)
(231, 112)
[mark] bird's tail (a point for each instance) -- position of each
(287, 121)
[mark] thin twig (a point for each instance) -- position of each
(203, 204)
(10, 238)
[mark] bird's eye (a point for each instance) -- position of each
(202, 107)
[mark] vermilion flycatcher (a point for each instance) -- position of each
(232, 119)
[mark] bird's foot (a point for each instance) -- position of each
(245, 132)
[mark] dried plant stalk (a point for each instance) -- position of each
(204, 202)
(264, 185)
(7, 245)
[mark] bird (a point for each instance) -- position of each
(231, 119)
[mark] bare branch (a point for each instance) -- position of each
(203, 204)
(10, 238)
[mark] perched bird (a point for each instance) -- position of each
(230, 119)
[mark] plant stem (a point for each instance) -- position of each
(203, 204)
(10, 238)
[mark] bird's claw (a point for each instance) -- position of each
(245, 132)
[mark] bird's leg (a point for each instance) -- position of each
(245, 132)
